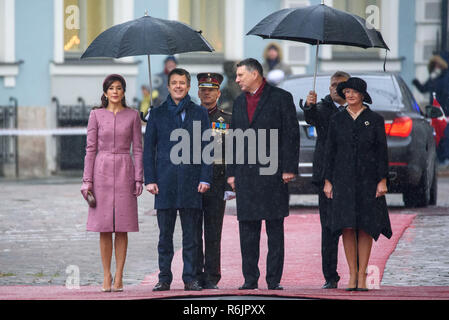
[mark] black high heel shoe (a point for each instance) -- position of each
(363, 289)
(352, 289)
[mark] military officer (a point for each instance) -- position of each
(209, 262)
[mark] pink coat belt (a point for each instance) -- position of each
(113, 151)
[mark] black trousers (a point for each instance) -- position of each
(329, 241)
(209, 260)
(166, 219)
(250, 249)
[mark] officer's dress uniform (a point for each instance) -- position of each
(209, 261)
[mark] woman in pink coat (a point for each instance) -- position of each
(112, 176)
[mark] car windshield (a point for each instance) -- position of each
(382, 90)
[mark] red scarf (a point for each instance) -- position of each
(253, 99)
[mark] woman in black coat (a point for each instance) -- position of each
(356, 170)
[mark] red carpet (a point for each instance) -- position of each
(302, 267)
(302, 276)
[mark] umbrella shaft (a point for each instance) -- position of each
(316, 64)
(149, 78)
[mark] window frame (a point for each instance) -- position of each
(123, 11)
(356, 52)
(234, 33)
(82, 4)
(287, 45)
(9, 67)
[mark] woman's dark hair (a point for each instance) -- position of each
(108, 81)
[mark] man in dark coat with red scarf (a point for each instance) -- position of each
(267, 117)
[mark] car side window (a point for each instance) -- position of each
(409, 100)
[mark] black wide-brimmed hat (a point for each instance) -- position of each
(356, 84)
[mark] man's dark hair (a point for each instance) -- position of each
(341, 74)
(180, 72)
(251, 65)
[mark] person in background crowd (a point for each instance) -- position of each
(438, 84)
(145, 102)
(438, 81)
(161, 79)
(231, 89)
(274, 69)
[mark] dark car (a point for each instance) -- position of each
(410, 136)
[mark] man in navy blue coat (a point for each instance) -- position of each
(177, 176)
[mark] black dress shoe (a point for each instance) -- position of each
(161, 286)
(209, 285)
(192, 286)
(330, 285)
(275, 287)
(248, 286)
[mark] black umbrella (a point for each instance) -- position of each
(146, 36)
(319, 24)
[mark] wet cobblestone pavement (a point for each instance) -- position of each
(42, 234)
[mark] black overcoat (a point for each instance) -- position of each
(258, 196)
(356, 160)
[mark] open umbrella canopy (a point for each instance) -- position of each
(146, 36)
(319, 24)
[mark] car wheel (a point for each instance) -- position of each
(419, 196)
(434, 187)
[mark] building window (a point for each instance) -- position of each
(358, 8)
(296, 53)
(429, 11)
(84, 20)
(207, 16)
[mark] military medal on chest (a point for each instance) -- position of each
(219, 128)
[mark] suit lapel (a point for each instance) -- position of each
(261, 103)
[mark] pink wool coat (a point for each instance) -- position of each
(109, 166)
